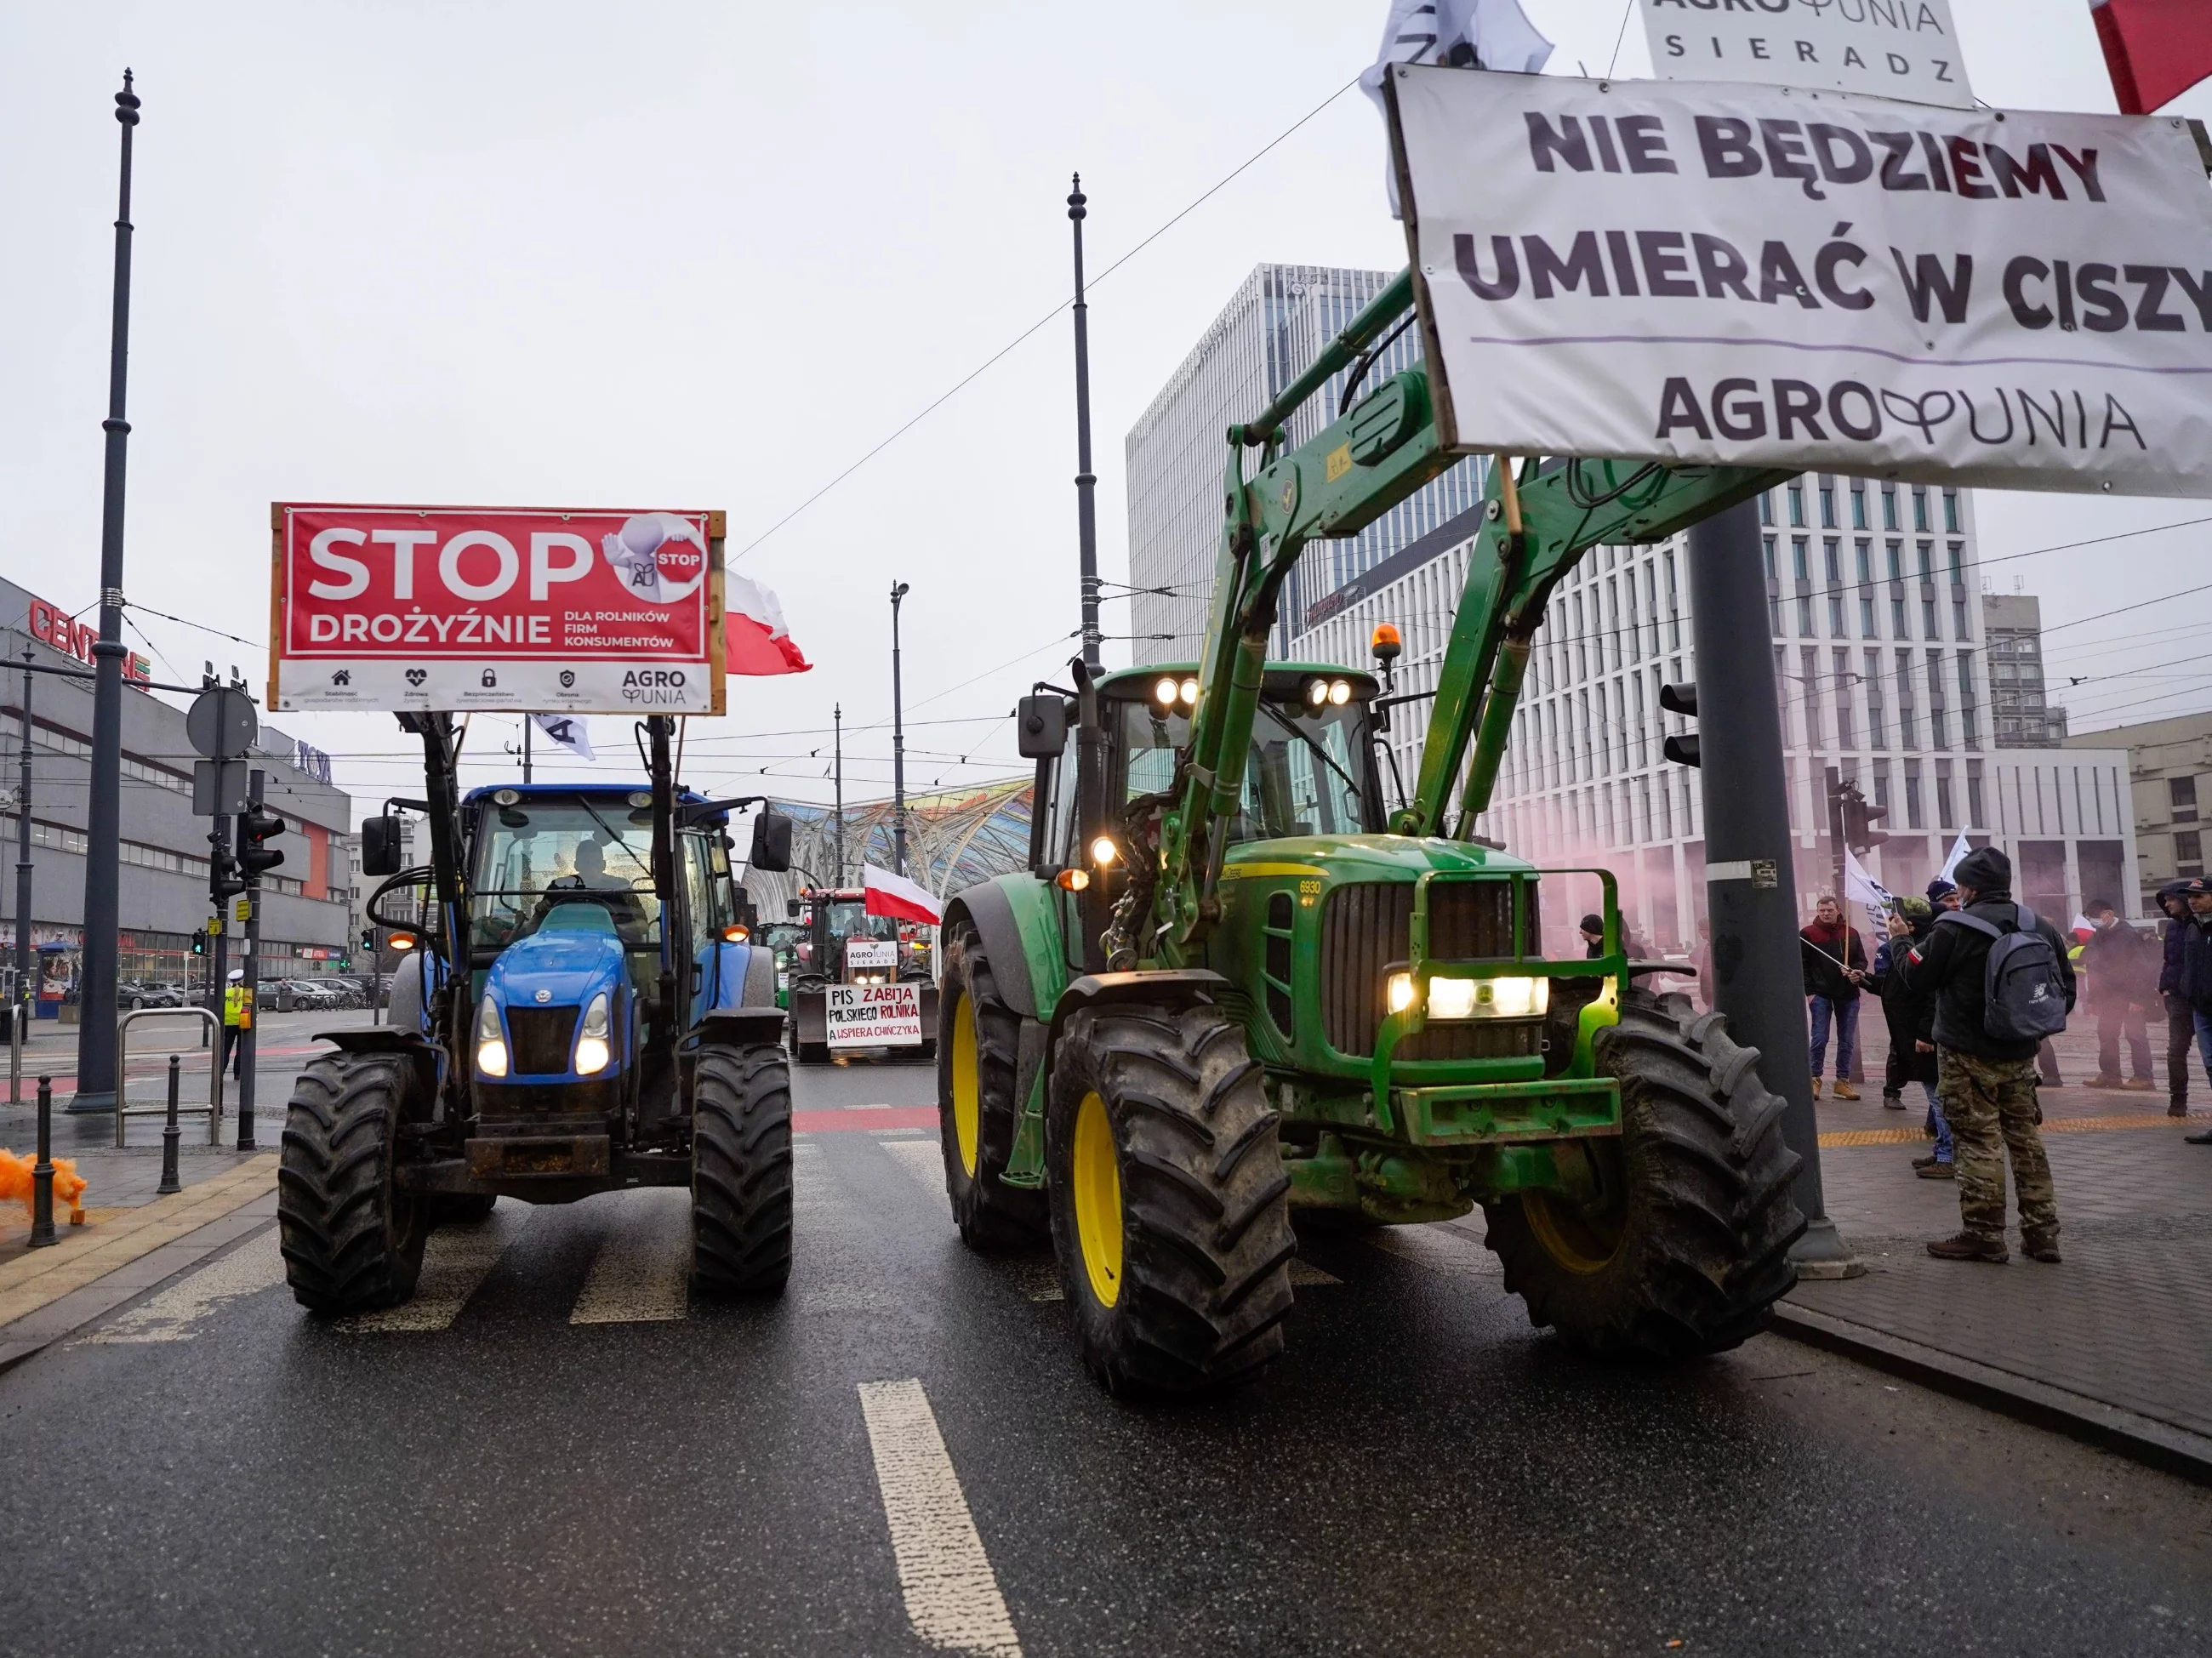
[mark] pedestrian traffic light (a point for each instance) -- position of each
(224, 881)
(1859, 818)
(199, 943)
(1681, 699)
(257, 825)
(368, 938)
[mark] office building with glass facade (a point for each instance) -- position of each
(1878, 664)
(1273, 328)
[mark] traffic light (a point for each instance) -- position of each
(1859, 819)
(1683, 700)
(199, 943)
(257, 825)
(224, 881)
(368, 938)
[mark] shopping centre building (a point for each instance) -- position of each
(163, 875)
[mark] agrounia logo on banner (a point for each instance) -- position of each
(418, 608)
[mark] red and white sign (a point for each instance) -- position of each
(407, 609)
(894, 895)
(752, 621)
(874, 1016)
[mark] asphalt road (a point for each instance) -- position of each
(560, 1456)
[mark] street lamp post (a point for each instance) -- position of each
(837, 717)
(24, 987)
(1086, 515)
(96, 1089)
(898, 742)
(1751, 885)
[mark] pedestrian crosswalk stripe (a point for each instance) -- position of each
(923, 1159)
(176, 1312)
(642, 1273)
(454, 1262)
(951, 1594)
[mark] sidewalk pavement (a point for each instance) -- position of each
(132, 1238)
(2113, 1344)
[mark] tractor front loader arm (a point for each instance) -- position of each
(1374, 455)
(1537, 529)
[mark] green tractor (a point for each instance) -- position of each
(1234, 987)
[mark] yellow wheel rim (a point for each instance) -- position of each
(1582, 1245)
(967, 1087)
(1096, 1178)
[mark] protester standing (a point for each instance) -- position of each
(2116, 962)
(1911, 1016)
(1985, 1054)
(2196, 975)
(2180, 1020)
(1835, 967)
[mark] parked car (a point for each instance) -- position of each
(133, 995)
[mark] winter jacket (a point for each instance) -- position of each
(1826, 951)
(2196, 987)
(2118, 961)
(1949, 966)
(1908, 1013)
(2174, 933)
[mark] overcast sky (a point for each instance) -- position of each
(705, 255)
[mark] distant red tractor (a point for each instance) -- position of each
(861, 984)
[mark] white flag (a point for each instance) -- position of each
(568, 730)
(1456, 34)
(1958, 850)
(1861, 886)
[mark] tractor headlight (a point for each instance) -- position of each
(1164, 693)
(592, 1050)
(1473, 999)
(1103, 850)
(1188, 692)
(491, 1041)
(1339, 692)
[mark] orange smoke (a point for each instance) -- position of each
(15, 1182)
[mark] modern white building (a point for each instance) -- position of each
(1271, 330)
(1878, 660)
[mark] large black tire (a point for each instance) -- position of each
(741, 1171)
(1688, 1251)
(1159, 1139)
(976, 1111)
(352, 1240)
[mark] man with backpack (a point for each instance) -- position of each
(2003, 985)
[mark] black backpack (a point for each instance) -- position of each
(2023, 998)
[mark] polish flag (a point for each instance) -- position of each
(755, 640)
(2155, 49)
(895, 896)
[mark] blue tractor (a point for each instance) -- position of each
(581, 1010)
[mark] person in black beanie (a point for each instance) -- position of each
(1988, 1080)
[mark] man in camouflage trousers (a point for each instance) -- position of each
(1987, 1084)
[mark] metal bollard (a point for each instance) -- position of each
(42, 1172)
(170, 1135)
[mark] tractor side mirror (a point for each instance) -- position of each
(790, 908)
(771, 852)
(380, 845)
(1043, 723)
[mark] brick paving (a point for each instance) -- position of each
(2126, 1319)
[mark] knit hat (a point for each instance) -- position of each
(1986, 870)
(1593, 923)
(1939, 889)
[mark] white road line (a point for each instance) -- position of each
(952, 1597)
(642, 1274)
(176, 1314)
(455, 1261)
(1441, 1248)
(923, 1159)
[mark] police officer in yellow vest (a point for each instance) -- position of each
(237, 1016)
